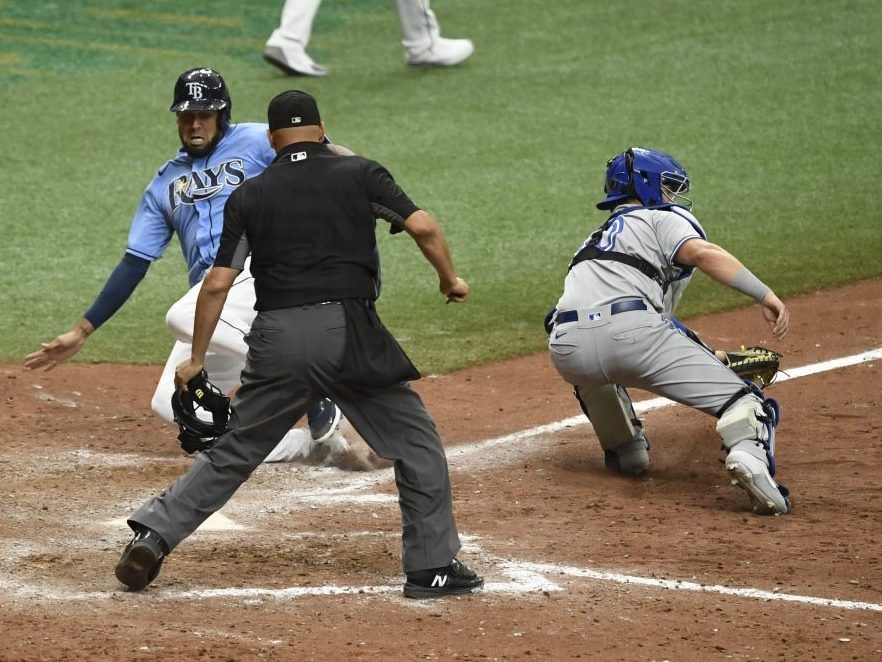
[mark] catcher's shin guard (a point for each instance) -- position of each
(747, 429)
(617, 427)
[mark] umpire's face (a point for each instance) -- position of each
(199, 131)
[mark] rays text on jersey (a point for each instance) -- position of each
(203, 184)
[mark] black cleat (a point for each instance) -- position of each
(141, 559)
(454, 579)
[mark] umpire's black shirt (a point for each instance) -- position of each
(309, 224)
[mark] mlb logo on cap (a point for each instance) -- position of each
(293, 108)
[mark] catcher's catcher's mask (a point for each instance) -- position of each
(197, 434)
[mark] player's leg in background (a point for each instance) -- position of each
(286, 47)
(423, 43)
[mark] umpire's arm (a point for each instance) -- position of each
(428, 236)
(209, 303)
(228, 264)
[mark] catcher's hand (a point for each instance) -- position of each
(756, 364)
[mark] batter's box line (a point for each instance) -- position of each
(680, 585)
(467, 456)
(526, 577)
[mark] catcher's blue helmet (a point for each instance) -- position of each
(647, 175)
(203, 89)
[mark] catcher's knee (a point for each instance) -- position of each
(749, 424)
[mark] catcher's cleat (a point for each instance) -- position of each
(324, 420)
(141, 559)
(752, 474)
(454, 579)
(629, 459)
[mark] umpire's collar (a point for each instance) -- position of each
(308, 146)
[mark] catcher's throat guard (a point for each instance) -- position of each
(197, 433)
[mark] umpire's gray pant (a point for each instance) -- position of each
(295, 358)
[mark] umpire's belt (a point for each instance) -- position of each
(618, 307)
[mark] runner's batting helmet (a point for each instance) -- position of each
(203, 89)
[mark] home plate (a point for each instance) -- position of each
(216, 522)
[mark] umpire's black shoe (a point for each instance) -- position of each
(141, 559)
(454, 579)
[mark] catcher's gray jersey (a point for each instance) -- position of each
(652, 234)
(613, 322)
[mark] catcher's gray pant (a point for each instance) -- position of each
(295, 358)
(641, 349)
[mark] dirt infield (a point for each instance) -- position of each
(579, 563)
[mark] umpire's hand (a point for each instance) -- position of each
(186, 371)
(457, 292)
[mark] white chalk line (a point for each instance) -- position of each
(679, 585)
(527, 577)
(656, 403)
(459, 456)
(464, 456)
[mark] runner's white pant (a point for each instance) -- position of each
(225, 357)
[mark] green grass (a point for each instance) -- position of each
(772, 107)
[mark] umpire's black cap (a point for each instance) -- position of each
(293, 108)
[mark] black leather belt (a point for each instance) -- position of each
(618, 307)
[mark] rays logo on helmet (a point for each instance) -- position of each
(194, 90)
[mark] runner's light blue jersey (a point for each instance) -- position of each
(188, 195)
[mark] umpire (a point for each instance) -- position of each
(309, 223)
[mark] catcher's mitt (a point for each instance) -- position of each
(755, 364)
(197, 433)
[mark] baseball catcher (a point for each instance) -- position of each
(613, 327)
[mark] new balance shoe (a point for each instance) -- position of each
(293, 62)
(454, 579)
(442, 52)
(141, 559)
(752, 474)
(324, 420)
